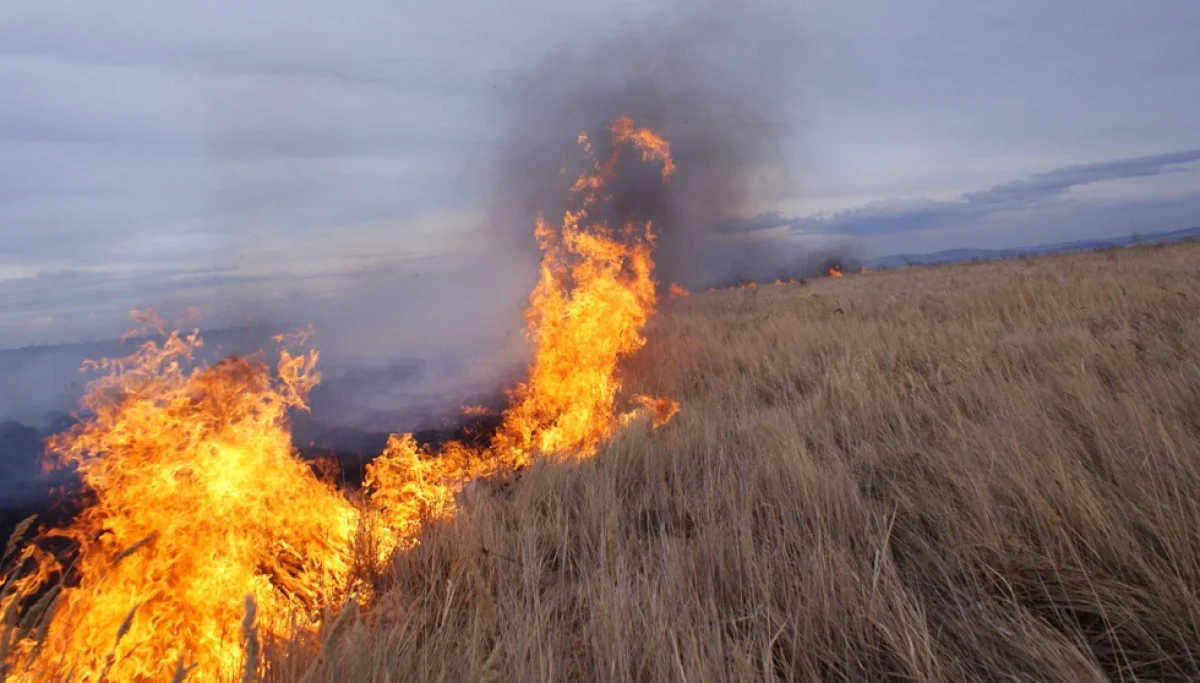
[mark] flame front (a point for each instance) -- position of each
(595, 294)
(201, 504)
(835, 271)
(200, 501)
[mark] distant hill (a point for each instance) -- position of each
(963, 255)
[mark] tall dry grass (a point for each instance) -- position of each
(964, 473)
(981, 472)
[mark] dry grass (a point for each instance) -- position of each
(980, 472)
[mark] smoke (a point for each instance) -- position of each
(721, 81)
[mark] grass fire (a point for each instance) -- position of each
(972, 472)
(201, 516)
(962, 473)
(686, 341)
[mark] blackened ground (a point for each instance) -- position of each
(24, 488)
(347, 453)
(55, 510)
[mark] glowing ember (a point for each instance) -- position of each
(595, 294)
(835, 271)
(472, 410)
(199, 502)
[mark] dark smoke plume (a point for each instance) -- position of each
(719, 81)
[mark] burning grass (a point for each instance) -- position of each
(958, 473)
(200, 510)
(938, 474)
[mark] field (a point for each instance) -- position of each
(976, 472)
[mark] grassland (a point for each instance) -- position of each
(978, 472)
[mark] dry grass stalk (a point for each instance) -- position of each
(983, 472)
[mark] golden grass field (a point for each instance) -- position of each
(975, 472)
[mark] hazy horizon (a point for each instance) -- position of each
(347, 167)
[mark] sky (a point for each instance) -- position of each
(277, 159)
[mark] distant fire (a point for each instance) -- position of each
(204, 513)
(865, 269)
(677, 291)
(835, 271)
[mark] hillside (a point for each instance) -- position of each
(960, 473)
(963, 255)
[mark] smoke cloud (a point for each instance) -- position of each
(719, 81)
(404, 347)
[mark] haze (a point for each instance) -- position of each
(300, 162)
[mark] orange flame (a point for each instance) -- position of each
(199, 502)
(678, 291)
(203, 509)
(865, 269)
(835, 271)
(595, 294)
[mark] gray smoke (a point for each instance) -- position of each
(720, 82)
(403, 346)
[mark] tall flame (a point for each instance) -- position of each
(200, 501)
(594, 296)
(203, 512)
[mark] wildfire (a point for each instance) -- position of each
(865, 270)
(200, 501)
(203, 513)
(835, 271)
(595, 294)
(677, 291)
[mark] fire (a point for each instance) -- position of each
(678, 291)
(204, 513)
(865, 269)
(200, 501)
(835, 271)
(595, 294)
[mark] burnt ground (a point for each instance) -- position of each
(351, 451)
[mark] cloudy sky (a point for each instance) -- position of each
(251, 157)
